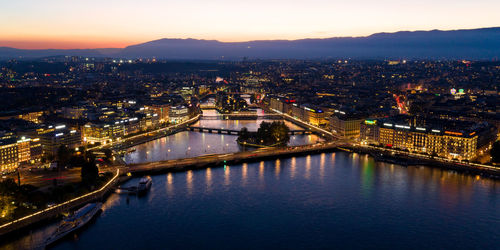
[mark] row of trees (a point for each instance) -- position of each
(268, 134)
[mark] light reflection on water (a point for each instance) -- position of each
(314, 201)
(301, 202)
(190, 144)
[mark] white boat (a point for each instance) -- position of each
(144, 184)
(74, 221)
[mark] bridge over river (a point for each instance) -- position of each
(231, 158)
(242, 117)
(237, 132)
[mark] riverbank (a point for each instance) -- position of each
(390, 156)
(54, 211)
(287, 152)
(247, 144)
(207, 161)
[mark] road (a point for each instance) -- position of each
(45, 177)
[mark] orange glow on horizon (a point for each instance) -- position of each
(79, 24)
(66, 44)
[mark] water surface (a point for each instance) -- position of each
(330, 200)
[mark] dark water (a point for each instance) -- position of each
(333, 200)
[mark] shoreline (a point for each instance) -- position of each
(200, 162)
(122, 176)
(381, 156)
(263, 153)
(246, 144)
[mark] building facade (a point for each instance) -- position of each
(443, 138)
(9, 158)
(178, 114)
(345, 126)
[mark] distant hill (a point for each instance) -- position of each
(435, 44)
(6, 52)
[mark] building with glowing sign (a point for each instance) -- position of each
(445, 138)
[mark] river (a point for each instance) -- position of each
(329, 200)
(189, 144)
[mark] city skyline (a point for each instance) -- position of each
(321, 124)
(90, 24)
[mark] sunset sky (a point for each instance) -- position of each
(117, 23)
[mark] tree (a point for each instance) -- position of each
(8, 186)
(76, 161)
(244, 134)
(280, 132)
(63, 156)
(89, 172)
(109, 155)
(267, 134)
(263, 133)
(495, 152)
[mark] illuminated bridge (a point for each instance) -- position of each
(242, 117)
(237, 132)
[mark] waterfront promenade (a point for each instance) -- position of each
(54, 211)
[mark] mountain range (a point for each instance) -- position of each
(481, 43)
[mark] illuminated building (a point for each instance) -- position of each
(24, 149)
(73, 112)
(161, 110)
(53, 137)
(313, 115)
(185, 92)
(178, 114)
(305, 112)
(345, 125)
(97, 133)
(107, 131)
(103, 132)
(14, 152)
(227, 103)
(8, 155)
(282, 104)
(36, 151)
(369, 131)
(308, 113)
(444, 138)
(32, 116)
(203, 89)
